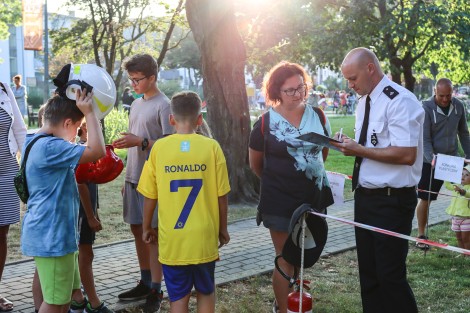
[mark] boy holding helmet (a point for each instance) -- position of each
(55, 202)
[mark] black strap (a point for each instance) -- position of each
(3, 87)
(322, 117)
(292, 280)
(265, 133)
(28, 147)
(362, 141)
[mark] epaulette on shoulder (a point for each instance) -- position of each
(390, 92)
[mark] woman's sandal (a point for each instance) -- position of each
(421, 245)
(5, 305)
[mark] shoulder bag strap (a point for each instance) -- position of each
(322, 117)
(265, 133)
(28, 147)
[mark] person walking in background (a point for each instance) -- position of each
(336, 102)
(459, 209)
(127, 99)
(388, 150)
(291, 170)
(21, 94)
(187, 260)
(12, 137)
(344, 102)
(352, 102)
(148, 122)
(445, 121)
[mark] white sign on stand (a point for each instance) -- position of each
(337, 186)
(449, 168)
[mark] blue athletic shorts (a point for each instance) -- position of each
(180, 279)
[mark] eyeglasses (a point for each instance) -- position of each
(136, 81)
(291, 91)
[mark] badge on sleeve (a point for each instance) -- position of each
(390, 92)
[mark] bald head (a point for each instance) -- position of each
(443, 92)
(444, 82)
(362, 70)
(361, 57)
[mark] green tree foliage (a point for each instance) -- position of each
(272, 33)
(10, 14)
(186, 56)
(408, 35)
(115, 29)
(115, 123)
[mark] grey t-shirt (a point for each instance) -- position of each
(149, 118)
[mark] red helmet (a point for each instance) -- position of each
(102, 171)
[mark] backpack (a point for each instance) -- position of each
(20, 178)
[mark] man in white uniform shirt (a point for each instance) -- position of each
(388, 165)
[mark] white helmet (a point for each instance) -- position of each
(93, 77)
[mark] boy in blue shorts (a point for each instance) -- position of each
(187, 174)
(49, 232)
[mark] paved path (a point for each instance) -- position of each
(249, 252)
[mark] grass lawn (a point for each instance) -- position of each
(440, 280)
(336, 161)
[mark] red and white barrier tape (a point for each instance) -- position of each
(442, 194)
(417, 189)
(394, 234)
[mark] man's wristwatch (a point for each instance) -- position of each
(145, 144)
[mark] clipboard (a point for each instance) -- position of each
(319, 139)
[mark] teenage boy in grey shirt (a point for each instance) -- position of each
(148, 121)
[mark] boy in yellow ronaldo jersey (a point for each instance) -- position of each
(187, 174)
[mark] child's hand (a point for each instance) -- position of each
(95, 224)
(127, 140)
(84, 101)
(224, 237)
(459, 190)
(150, 236)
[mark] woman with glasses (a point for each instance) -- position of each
(291, 170)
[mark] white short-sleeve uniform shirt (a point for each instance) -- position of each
(396, 119)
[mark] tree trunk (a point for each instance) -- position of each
(407, 67)
(223, 61)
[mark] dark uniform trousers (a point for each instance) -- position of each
(382, 258)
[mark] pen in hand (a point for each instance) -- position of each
(340, 136)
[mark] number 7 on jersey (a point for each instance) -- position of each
(196, 185)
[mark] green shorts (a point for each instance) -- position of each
(58, 277)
